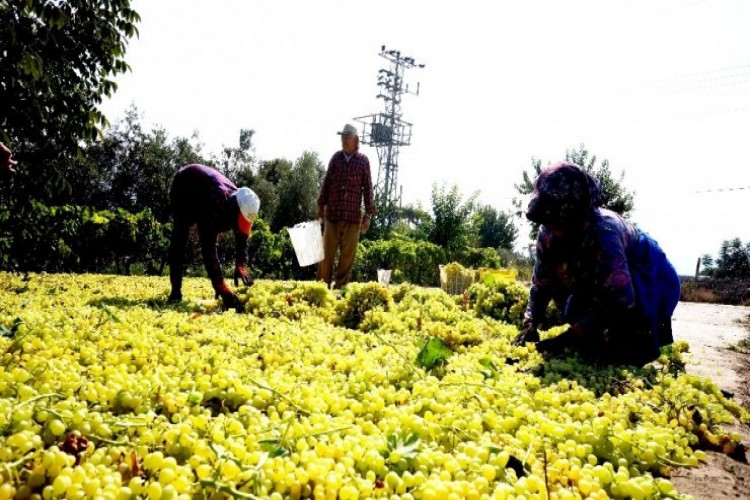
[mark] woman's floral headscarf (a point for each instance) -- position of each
(564, 195)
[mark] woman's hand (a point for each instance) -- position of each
(528, 334)
(230, 299)
(241, 273)
(556, 345)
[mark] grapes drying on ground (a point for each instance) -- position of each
(108, 391)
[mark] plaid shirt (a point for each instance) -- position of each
(345, 186)
(200, 195)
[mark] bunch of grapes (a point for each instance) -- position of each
(358, 299)
(503, 300)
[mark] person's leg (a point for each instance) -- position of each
(177, 244)
(349, 241)
(330, 244)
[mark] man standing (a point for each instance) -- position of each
(346, 185)
(203, 196)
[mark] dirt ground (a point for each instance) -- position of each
(712, 330)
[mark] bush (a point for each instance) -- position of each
(74, 238)
(732, 291)
(411, 261)
(478, 257)
(415, 262)
(36, 237)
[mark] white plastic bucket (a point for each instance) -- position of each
(307, 241)
(384, 276)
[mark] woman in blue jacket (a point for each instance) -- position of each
(613, 283)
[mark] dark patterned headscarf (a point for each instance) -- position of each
(564, 195)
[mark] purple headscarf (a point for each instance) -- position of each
(564, 195)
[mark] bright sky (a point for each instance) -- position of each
(660, 88)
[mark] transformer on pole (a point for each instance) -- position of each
(388, 132)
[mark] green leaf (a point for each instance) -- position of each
(278, 452)
(487, 363)
(111, 315)
(273, 447)
(433, 353)
(11, 332)
(407, 447)
(392, 441)
(490, 370)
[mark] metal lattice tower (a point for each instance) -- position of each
(388, 132)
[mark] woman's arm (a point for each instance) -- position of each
(542, 281)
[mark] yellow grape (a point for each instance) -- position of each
(286, 401)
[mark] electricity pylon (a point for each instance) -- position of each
(388, 132)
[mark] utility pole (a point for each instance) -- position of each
(388, 132)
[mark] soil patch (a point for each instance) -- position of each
(714, 332)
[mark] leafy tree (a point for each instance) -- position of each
(494, 229)
(298, 192)
(274, 171)
(708, 265)
(136, 167)
(238, 163)
(412, 223)
(615, 196)
(733, 260)
(265, 183)
(451, 224)
(57, 60)
(383, 225)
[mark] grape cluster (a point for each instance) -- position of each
(503, 300)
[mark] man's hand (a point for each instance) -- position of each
(242, 273)
(6, 162)
(365, 224)
(528, 334)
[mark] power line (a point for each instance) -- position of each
(700, 85)
(708, 74)
(694, 82)
(721, 190)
